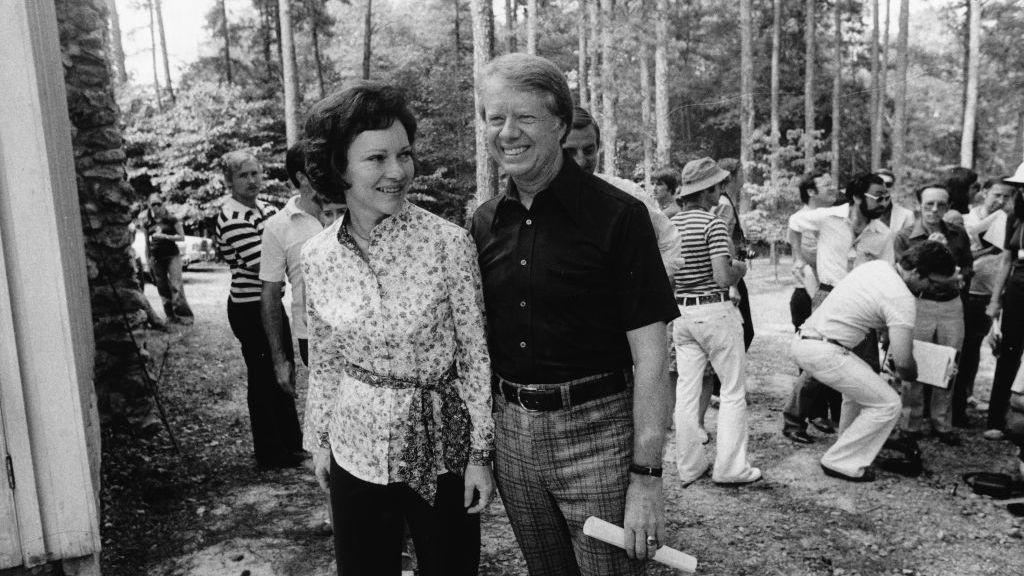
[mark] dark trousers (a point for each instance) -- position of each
(276, 435)
(748, 322)
(976, 326)
(304, 350)
(1009, 351)
(370, 521)
(799, 307)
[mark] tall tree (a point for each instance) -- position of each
(746, 95)
(776, 129)
(152, 46)
(608, 90)
(158, 8)
(582, 76)
(876, 140)
(314, 32)
(367, 38)
(594, 45)
(899, 129)
(837, 86)
(225, 32)
(289, 73)
(809, 24)
(971, 103)
(531, 26)
(883, 86)
(510, 26)
(116, 44)
(483, 51)
(645, 98)
(661, 119)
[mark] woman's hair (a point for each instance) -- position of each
(668, 177)
(335, 121)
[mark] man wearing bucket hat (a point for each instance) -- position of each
(710, 329)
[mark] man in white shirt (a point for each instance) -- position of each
(896, 217)
(874, 296)
(848, 235)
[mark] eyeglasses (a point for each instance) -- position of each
(155, 204)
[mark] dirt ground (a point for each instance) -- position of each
(209, 512)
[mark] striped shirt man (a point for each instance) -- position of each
(239, 234)
(703, 236)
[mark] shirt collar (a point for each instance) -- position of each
(840, 211)
(291, 208)
(565, 189)
(236, 206)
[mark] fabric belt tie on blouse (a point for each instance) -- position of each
(418, 465)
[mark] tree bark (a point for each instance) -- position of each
(483, 46)
(1018, 140)
(289, 73)
(224, 29)
(873, 105)
(746, 97)
(971, 103)
(594, 46)
(837, 86)
(899, 129)
(158, 8)
(809, 86)
(510, 26)
(457, 26)
(367, 39)
(645, 100)
(531, 27)
(776, 128)
(317, 59)
(152, 45)
(609, 131)
(883, 87)
(116, 44)
(582, 76)
(661, 118)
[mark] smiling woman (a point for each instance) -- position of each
(399, 412)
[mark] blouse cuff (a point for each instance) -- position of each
(481, 457)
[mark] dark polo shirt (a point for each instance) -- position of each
(565, 280)
(957, 241)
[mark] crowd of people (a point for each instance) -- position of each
(550, 350)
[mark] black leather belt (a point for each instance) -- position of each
(821, 338)
(702, 299)
(939, 297)
(549, 397)
(826, 287)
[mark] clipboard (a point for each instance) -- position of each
(936, 364)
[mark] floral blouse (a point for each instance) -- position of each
(396, 338)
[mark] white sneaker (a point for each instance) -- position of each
(993, 434)
(752, 474)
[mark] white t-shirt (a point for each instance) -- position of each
(871, 297)
(284, 234)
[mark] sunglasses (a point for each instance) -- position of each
(879, 197)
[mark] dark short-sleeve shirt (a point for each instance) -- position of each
(565, 280)
(957, 241)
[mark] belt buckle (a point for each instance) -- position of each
(519, 397)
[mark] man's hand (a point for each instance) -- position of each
(645, 516)
(478, 480)
(322, 468)
(284, 374)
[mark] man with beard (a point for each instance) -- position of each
(848, 234)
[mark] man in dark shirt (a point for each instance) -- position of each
(163, 231)
(577, 300)
(940, 312)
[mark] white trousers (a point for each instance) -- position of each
(871, 407)
(711, 332)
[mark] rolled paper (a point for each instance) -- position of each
(611, 534)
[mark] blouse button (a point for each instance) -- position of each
(522, 304)
(522, 344)
(522, 262)
(529, 222)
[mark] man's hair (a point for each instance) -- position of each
(860, 185)
(958, 182)
(993, 181)
(295, 161)
(807, 184)
(927, 258)
(232, 161)
(335, 121)
(533, 74)
(920, 191)
(581, 118)
(885, 172)
(666, 176)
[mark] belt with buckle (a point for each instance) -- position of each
(549, 397)
(818, 337)
(702, 299)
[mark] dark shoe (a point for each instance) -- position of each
(868, 476)
(948, 438)
(798, 436)
(910, 465)
(824, 425)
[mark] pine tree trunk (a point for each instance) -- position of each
(609, 131)
(873, 105)
(594, 47)
(483, 46)
(531, 27)
(746, 99)
(457, 27)
(883, 87)
(1018, 140)
(645, 101)
(510, 26)
(582, 76)
(367, 38)
(163, 48)
(289, 73)
(152, 46)
(661, 119)
(971, 104)
(224, 30)
(899, 129)
(809, 41)
(776, 128)
(116, 44)
(837, 86)
(317, 60)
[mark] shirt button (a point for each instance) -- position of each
(522, 304)
(529, 222)
(522, 344)
(522, 262)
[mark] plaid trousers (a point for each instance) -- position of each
(554, 469)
